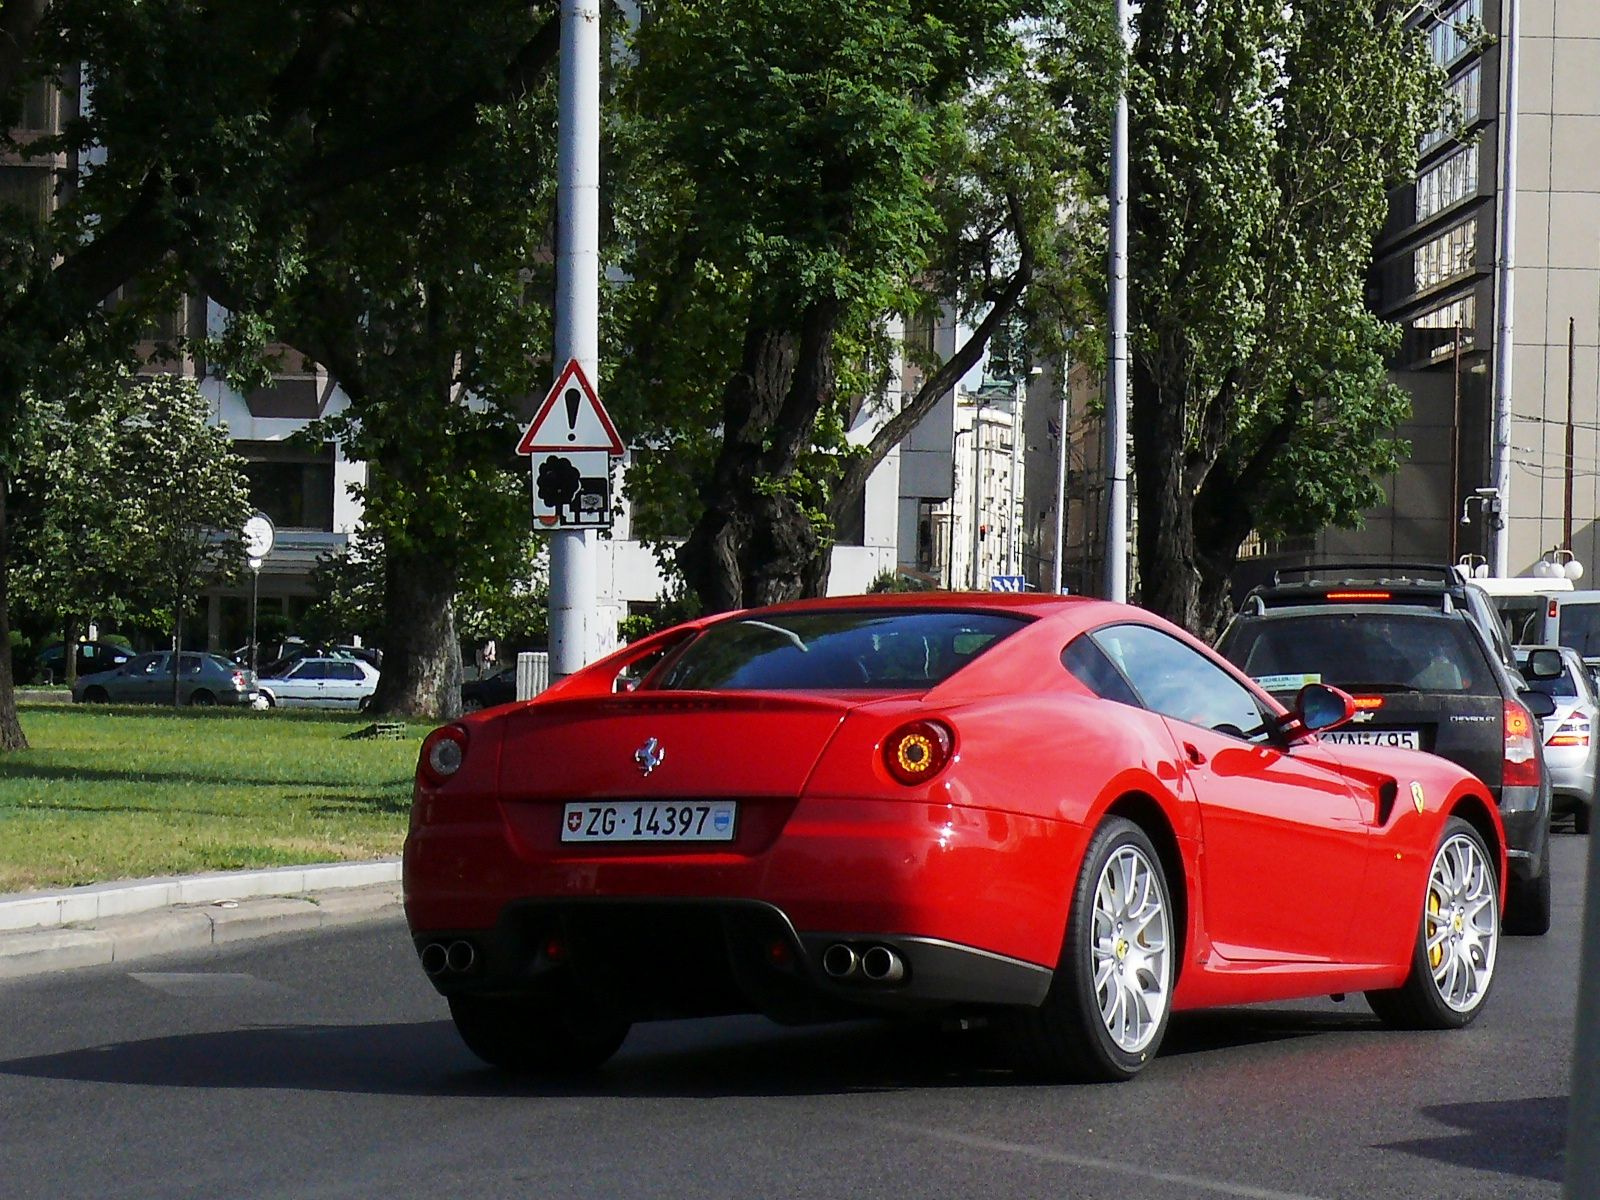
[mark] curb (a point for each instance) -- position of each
(111, 923)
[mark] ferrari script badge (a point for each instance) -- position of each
(1417, 797)
(649, 756)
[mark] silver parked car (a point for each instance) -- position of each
(321, 683)
(147, 679)
(1571, 733)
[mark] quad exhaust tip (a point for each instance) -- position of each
(875, 964)
(455, 958)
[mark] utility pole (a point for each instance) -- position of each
(1455, 449)
(573, 597)
(1572, 359)
(1061, 475)
(1500, 552)
(1116, 561)
(977, 484)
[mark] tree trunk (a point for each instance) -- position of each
(755, 543)
(11, 735)
(1169, 579)
(421, 674)
(69, 651)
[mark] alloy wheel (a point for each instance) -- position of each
(1131, 958)
(1462, 923)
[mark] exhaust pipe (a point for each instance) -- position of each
(435, 959)
(882, 965)
(461, 957)
(839, 961)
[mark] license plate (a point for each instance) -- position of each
(705, 821)
(1408, 739)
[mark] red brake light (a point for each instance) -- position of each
(1368, 703)
(443, 753)
(1553, 611)
(1369, 595)
(1521, 766)
(915, 753)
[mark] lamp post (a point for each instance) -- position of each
(259, 535)
(977, 485)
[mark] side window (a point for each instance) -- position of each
(1088, 664)
(1179, 682)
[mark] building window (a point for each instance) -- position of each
(1447, 183)
(1432, 334)
(27, 189)
(291, 484)
(1456, 32)
(1464, 91)
(1454, 252)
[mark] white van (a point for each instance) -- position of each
(1547, 612)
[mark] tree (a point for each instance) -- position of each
(1265, 138)
(185, 493)
(795, 175)
(216, 128)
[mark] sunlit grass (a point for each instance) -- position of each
(126, 793)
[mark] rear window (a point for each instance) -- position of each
(1580, 628)
(1391, 650)
(880, 650)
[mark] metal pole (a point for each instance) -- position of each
(977, 485)
(1019, 391)
(1061, 479)
(1116, 560)
(1500, 555)
(1583, 1121)
(1455, 450)
(573, 600)
(1572, 362)
(255, 592)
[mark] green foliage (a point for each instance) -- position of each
(133, 500)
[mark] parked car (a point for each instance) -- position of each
(1064, 814)
(1418, 647)
(93, 656)
(1572, 732)
(296, 651)
(203, 679)
(321, 683)
(499, 688)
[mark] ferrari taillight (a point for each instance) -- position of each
(1521, 767)
(915, 753)
(443, 753)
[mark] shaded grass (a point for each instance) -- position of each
(132, 792)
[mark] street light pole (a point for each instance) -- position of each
(255, 586)
(1116, 450)
(977, 484)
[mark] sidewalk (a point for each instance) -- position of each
(118, 922)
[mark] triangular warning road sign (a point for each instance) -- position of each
(571, 418)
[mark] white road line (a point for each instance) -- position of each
(1110, 1166)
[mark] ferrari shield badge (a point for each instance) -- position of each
(1417, 797)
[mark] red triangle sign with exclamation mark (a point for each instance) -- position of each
(571, 418)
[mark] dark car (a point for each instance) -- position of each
(1417, 647)
(499, 688)
(93, 656)
(203, 680)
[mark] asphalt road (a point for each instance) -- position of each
(322, 1065)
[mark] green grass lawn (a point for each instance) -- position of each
(126, 793)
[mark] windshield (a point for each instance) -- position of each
(1580, 628)
(877, 649)
(1393, 651)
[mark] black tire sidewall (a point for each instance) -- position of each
(1427, 991)
(1076, 974)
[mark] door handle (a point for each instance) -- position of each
(1194, 753)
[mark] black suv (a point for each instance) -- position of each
(1426, 658)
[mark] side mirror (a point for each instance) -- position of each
(1319, 706)
(1540, 704)
(1544, 663)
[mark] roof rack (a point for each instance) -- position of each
(1384, 571)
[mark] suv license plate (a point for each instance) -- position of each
(706, 821)
(1408, 739)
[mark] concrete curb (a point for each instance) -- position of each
(113, 923)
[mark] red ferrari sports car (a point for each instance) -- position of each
(1063, 815)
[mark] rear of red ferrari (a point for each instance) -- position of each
(701, 845)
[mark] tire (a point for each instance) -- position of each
(1528, 904)
(96, 695)
(471, 706)
(200, 698)
(1581, 816)
(1106, 1012)
(1452, 965)
(363, 704)
(272, 701)
(537, 1035)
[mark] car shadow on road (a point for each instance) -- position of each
(1524, 1138)
(739, 1056)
